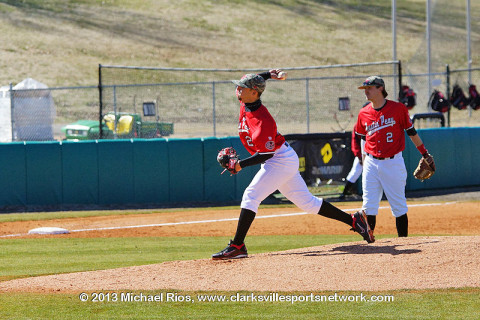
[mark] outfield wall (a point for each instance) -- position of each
(455, 150)
(176, 171)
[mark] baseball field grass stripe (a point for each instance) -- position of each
(407, 304)
(155, 225)
(20, 258)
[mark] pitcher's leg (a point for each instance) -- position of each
(372, 222)
(265, 182)
(244, 222)
(296, 190)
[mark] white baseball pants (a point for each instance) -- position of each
(280, 172)
(356, 171)
(389, 176)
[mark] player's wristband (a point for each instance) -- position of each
(421, 148)
(265, 75)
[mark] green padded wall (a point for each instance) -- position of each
(176, 171)
(115, 172)
(454, 150)
(13, 174)
(218, 187)
(44, 173)
(151, 171)
(474, 155)
(80, 172)
(186, 170)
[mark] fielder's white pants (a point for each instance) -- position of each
(389, 176)
(356, 171)
(280, 172)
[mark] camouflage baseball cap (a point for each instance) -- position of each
(252, 81)
(372, 82)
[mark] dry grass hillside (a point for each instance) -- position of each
(61, 42)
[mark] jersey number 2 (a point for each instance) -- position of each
(249, 141)
(389, 137)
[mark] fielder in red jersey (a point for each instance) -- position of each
(384, 128)
(279, 170)
(382, 124)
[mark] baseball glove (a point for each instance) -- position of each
(228, 158)
(425, 168)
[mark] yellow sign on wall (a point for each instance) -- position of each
(327, 153)
(301, 166)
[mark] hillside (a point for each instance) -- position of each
(61, 42)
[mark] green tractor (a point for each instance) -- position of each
(119, 125)
(84, 130)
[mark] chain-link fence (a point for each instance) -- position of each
(146, 103)
(202, 102)
(41, 114)
(468, 117)
(444, 83)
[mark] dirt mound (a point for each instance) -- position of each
(388, 264)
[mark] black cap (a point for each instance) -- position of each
(374, 81)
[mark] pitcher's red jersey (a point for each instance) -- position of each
(384, 128)
(258, 130)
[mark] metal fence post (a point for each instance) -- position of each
(115, 112)
(12, 113)
(307, 98)
(399, 70)
(213, 111)
(447, 93)
(100, 96)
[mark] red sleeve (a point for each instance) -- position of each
(359, 128)
(356, 148)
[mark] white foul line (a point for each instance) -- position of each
(220, 220)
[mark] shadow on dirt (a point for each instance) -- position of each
(385, 247)
(357, 249)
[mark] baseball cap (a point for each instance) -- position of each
(252, 81)
(374, 81)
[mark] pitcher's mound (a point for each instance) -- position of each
(388, 264)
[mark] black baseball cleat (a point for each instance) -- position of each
(361, 226)
(232, 251)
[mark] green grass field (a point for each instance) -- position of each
(33, 257)
(430, 304)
